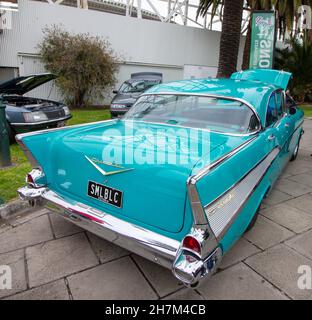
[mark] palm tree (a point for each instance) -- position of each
(287, 11)
(297, 59)
(230, 35)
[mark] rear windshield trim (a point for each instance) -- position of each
(217, 97)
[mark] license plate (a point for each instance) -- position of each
(105, 194)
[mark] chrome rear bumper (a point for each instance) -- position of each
(153, 246)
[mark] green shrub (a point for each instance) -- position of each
(85, 65)
(297, 59)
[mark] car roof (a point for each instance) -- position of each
(147, 75)
(254, 93)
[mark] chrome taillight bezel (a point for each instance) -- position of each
(36, 178)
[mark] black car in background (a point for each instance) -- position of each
(131, 89)
(26, 114)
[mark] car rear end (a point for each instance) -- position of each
(192, 258)
(119, 108)
(147, 209)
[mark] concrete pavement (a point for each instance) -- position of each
(53, 259)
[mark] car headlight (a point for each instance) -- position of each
(66, 110)
(36, 116)
(118, 106)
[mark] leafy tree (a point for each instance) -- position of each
(297, 59)
(286, 19)
(85, 65)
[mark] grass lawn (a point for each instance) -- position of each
(14, 177)
(88, 115)
(307, 108)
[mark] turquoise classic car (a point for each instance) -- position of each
(180, 177)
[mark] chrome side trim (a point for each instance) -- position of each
(20, 124)
(223, 211)
(299, 126)
(253, 109)
(204, 171)
(199, 217)
(200, 221)
(27, 153)
(33, 133)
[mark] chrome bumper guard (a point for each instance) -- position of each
(191, 270)
(188, 268)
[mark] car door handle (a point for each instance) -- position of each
(287, 125)
(271, 137)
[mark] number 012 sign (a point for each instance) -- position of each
(262, 40)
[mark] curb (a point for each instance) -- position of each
(13, 207)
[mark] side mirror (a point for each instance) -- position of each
(292, 110)
(115, 91)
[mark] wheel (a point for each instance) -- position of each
(253, 221)
(295, 153)
(194, 285)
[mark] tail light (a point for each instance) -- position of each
(29, 179)
(192, 243)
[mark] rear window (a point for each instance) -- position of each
(215, 114)
(136, 86)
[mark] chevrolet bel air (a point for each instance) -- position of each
(178, 179)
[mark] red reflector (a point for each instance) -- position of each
(191, 243)
(29, 179)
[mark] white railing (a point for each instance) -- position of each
(181, 12)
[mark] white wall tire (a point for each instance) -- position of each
(295, 153)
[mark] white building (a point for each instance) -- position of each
(145, 44)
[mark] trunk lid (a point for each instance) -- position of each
(275, 77)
